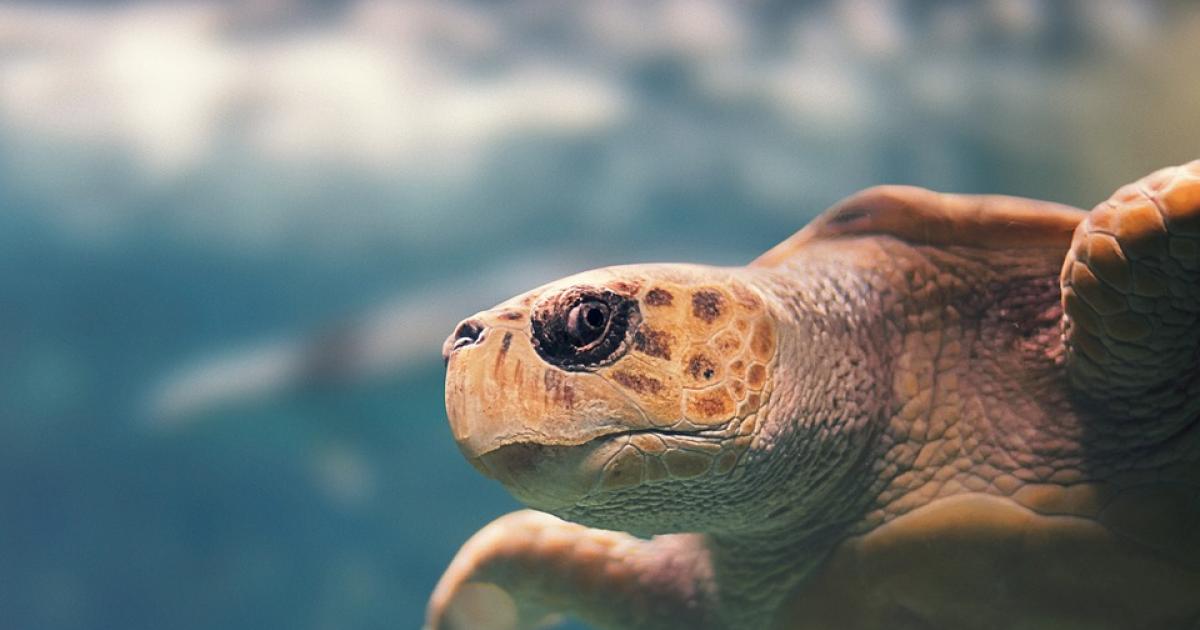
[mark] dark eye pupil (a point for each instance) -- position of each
(594, 317)
(585, 322)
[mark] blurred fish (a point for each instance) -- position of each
(389, 340)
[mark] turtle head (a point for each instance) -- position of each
(589, 394)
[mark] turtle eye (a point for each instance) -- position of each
(586, 322)
(583, 327)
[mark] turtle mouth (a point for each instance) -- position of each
(523, 453)
(554, 477)
(499, 392)
(542, 476)
(520, 456)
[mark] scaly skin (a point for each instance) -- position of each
(885, 421)
(1132, 299)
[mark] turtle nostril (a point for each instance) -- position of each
(467, 333)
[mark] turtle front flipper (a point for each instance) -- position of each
(526, 569)
(1131, 301)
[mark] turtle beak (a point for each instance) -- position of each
(500, 392)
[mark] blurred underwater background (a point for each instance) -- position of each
(234, 235)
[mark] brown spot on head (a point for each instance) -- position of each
(655, 343)
(756, 376)
(752, 401)
(658, 297)
(709, 407)
(511, 316)
(707, 305)
(737, 368)
(701, 367)
(738, 389)
(640, 383)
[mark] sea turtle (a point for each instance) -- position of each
(922, 410)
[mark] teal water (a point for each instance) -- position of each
(335, 498)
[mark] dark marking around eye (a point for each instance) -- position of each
(659, 297)
(707, 305)
(583, 327)
(651, 342)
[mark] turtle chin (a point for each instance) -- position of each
(641, 481)
(553, 478)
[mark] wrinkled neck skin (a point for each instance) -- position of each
(905, 376)
(807, 474)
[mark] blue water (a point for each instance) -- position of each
(337, 502)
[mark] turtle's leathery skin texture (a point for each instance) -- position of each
(920, 411)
